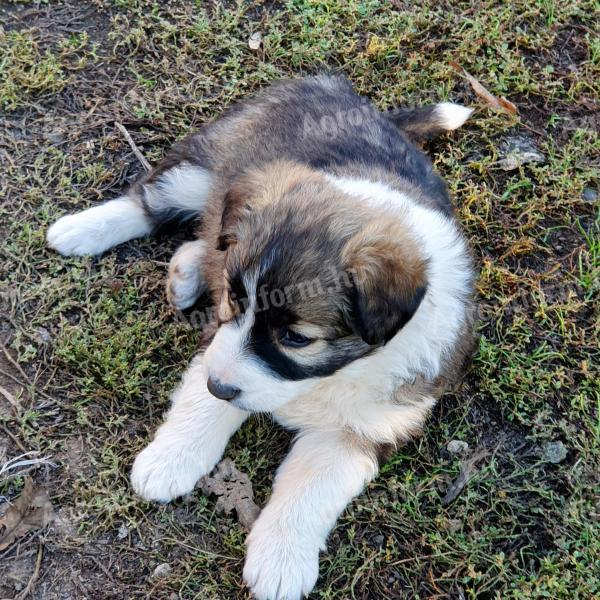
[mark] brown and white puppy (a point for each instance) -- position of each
(343, 294)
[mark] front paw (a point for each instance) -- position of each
(185, 283)
(280, 564)
(163, 473)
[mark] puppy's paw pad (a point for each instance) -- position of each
(162, 474)
(278, 569)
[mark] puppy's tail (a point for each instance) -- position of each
(426, 122)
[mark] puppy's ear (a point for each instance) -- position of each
(389, 277)
(256, 189)
(236, 203)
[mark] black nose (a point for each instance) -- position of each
(221, 390)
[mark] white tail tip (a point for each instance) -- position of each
(452, 116)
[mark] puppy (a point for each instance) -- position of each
(342, 290)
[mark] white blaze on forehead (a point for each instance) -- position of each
(228, 348)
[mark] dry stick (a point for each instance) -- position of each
(11, 399)
(14, 362)
(467, 469)
(134, 147)
(26, 384)
(13, 438)
(34, 576)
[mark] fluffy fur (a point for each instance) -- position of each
(342, 289)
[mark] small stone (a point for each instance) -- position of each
(516, 151)
(43, 335)
(255, 40)
(457, 447)
(589, 195)
(454, 525)
(163, 570)
(554, 452)
(122, 532)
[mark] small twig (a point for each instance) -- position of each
(134, 147)
(467, 469)
(14, 362)
(11, 399)
(36, 572)
(13, 438)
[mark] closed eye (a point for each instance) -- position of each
(293, 339)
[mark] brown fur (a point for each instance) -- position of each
(264, 181)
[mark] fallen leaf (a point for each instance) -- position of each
(482, 92)
(255, 40)
(467, 470)
(234, 491)
(30, 511)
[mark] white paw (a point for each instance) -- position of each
(162, 473)
(186, 282)
(280, 565)
(97, 229)
(74, 235)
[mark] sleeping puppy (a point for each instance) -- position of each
(342, 289)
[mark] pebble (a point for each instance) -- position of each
(43, 335)
(554, 452)
(122, 532)
(457, 447)
(589, 195)
(517, 151)
(163, 570)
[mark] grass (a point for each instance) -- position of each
(98, 349)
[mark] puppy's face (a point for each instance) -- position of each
(311, 283)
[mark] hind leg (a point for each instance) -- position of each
(176, 190)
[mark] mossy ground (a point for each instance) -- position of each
(98, 349)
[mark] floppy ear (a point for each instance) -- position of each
(236, 203)
(254, 190)
(389, 277)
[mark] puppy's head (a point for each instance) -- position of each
(312, 281)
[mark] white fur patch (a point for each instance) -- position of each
(97, 229)
(189, 443)
(314, 484)
(451, 116)
(186, 281)
(183, 188)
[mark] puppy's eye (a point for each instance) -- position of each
(293, 339)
